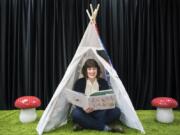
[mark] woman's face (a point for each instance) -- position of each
(91, 72)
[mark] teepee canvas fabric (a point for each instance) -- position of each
(55, 115)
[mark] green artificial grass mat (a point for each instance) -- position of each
(10, 125)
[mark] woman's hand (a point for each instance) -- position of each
(88, 110)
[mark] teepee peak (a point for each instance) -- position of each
(93, 14)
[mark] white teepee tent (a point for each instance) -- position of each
(55, 115)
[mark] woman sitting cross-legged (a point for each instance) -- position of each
(87, 118)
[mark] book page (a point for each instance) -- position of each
(102, 102)
(76, 98)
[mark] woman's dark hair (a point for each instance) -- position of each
(88, 64)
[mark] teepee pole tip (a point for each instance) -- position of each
(91, 7)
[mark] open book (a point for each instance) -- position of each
(101, 100)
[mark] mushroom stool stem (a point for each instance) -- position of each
(28, 115)
(164, 115)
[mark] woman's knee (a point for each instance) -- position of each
(76, 114)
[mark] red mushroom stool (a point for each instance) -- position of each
(28, 105)
(164, 106)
